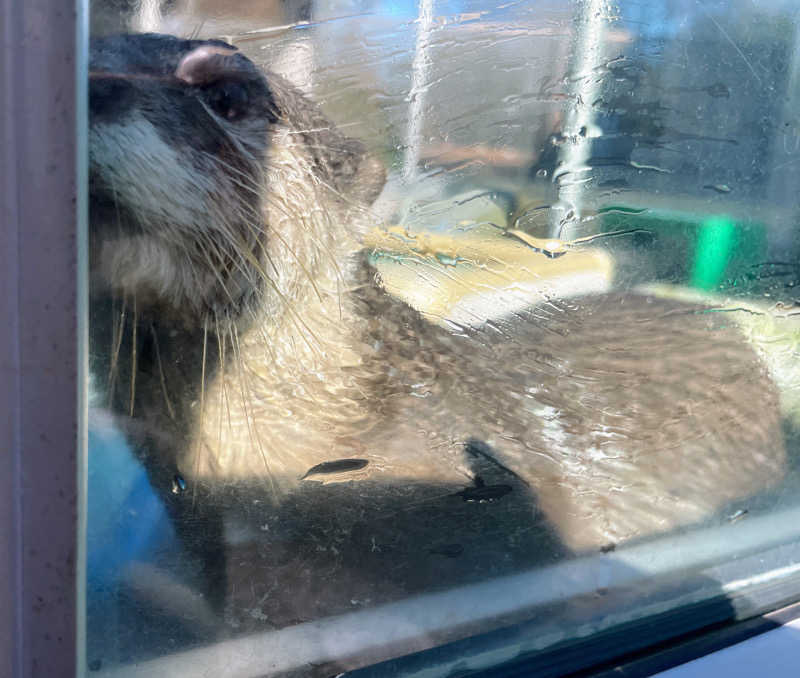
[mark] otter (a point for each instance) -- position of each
(264, 375)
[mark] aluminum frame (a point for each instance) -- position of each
(42, 278)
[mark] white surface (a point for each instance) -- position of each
(774, 654)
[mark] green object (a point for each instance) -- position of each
(707, 252)
(714, 247)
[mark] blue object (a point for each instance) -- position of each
(126, 520)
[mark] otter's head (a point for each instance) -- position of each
(214, 186)
(178, 136)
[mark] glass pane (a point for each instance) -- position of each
(464, 325)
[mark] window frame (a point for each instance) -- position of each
(762, 593)
(42, 339)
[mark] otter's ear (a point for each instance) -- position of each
(206, 64)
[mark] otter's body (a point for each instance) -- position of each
(626, 429)
(247, 340)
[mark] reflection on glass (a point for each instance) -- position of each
(523, 353)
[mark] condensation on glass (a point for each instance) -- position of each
(547, 381)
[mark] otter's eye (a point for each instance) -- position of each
(228, 99)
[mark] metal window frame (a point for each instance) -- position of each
(42, 336)
(728, 573)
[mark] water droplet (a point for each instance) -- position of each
(178, 484)
(719, 90)
(446, 259)
(719, 188)
(737, 515)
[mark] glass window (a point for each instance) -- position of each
(427, 337)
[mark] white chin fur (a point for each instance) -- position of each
(173, 205)
(144, 171)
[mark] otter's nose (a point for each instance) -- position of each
(109, 95)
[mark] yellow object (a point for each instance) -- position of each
(475, 275)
